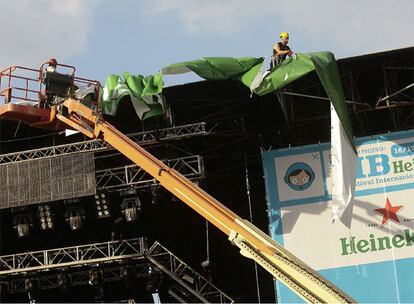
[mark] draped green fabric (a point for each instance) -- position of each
(327, 69)
(113, 91)
(216, 68)
(285, 73)
(146, 92)
(294, 68)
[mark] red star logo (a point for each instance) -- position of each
(389, 212)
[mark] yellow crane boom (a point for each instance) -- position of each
(253, 243)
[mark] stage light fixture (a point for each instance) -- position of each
(75, 217)
(205, 265)
(45, 217)
(153, 281)
(74, 213)
(22, 221)
(102, 205)
(95, 278)
(155, 192)
(130, 208)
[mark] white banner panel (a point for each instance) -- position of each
(381, 238)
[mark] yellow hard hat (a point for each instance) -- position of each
(284, 35)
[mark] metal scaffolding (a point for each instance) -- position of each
(119, 178)
(112, 179)
(71, 256)
(142, 138)
(201, 289)
(78, 277)
(108, 258)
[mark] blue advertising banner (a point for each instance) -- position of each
(374, 260)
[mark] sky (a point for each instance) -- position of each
(102, 37)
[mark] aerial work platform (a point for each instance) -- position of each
(32, 116)
(26, 94)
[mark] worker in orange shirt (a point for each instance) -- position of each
(281, 50)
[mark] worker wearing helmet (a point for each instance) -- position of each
(52, 63)
(281, 50)
(46, 99)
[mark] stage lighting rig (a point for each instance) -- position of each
(22, 221)
(74, 214)
(45, 216)
(131, 205)
(102, 205)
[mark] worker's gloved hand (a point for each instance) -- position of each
(290, 53)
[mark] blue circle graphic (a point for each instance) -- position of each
(299, 176)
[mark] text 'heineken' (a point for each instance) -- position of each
(351, 245)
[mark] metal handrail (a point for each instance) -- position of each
(30, 83)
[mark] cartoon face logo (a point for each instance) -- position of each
(299, 176)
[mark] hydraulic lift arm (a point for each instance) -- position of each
(253, 243)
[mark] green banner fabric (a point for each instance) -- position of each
(285, 73)
(144, 93)
(111, 95)
(327, 69)
(216, 68)
(294, 68)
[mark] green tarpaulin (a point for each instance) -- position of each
(216, 68)
(145, 92)
(294, 68)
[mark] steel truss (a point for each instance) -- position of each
(143, 138)
(202, 290)
(188, 285)
(79, 277)
(119, 178)
(71, 256)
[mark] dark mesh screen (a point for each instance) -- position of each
(45, 180)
